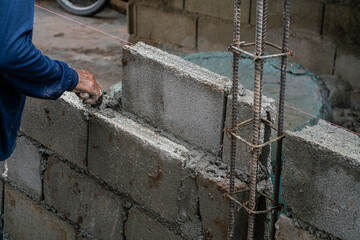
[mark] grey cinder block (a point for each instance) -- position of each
(141, 226)
(221, 9)
(84, 201)
(154, 23)
(214, 206)
(175, 95)
(305, 16)
(286, 229)
(321, 178)
(24, 166)
(140, 163)
(24, 219)
(59, 125)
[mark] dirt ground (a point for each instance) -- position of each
(81, 47)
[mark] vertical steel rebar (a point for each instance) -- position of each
(278, 166)
(236, 41)
(261, 20)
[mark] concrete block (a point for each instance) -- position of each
(286, 229)
(208, 41)
(175, 95)
(24, 167)
(25, 220)
(167, 26)
(243, 152)
(79, 237)
(141, 227)
(214, 207)
(341, 23)
(177, 4)
(321, 178)
(305, 16)
(82, 200)
(223, 9)
(347, 65)
(138, 162)
(59, 125)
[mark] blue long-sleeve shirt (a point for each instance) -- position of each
(24, 71)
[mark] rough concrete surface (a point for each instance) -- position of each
(162, 22)
(286, 230)
(301, 19)
(84, 201)
(218, 8)
(25, 166)
(175, 95)
(169, 4)
(139, 226)
(208, 41)
(25, 220)
(342, 23)
(321, 178)
(214, 206)
(60, 125)
(138, 162)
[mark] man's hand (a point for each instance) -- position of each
(87, 88)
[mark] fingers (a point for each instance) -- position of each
(83, 95)
(87, 88)
(92, 99)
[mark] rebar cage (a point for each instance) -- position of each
(258, 57)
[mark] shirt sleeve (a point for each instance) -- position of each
(22, 65)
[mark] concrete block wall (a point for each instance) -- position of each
(324, 33)
(142, 178)
(86, 173)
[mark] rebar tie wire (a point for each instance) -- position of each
(257, 120)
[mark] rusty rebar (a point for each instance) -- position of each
(236, 42)
(278, 166)
(261, 20)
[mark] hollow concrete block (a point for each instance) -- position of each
(175, 95)
(341, 23)
(208, 41)
(214, 206)
(82, 200)
(222, 9)
(321, 178)
(286, 229)
(305, 16)
(59, 125)
(141, 164)
(177, 4)
(24, 219)
(157, 24)
(24, 166)
(141, 227)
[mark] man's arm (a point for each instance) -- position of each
(25, 67)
